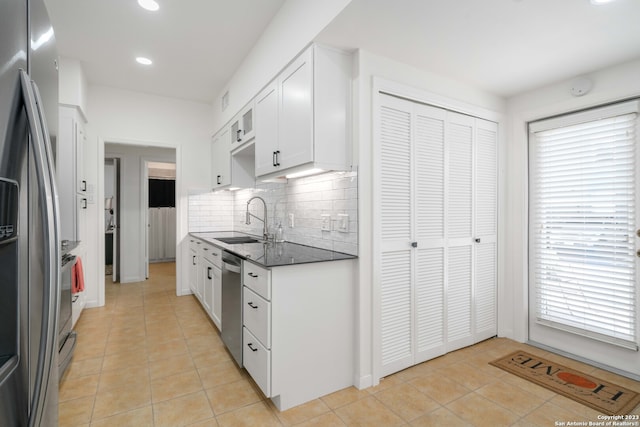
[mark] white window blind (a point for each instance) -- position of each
(582, 223)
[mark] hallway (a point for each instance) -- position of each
(149, 358)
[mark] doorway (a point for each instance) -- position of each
(112, 215)
(159, 191)
(132, 214)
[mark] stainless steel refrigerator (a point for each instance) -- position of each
(29, 230)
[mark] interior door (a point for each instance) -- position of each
(396, 256)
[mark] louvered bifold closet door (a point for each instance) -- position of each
(395, 257)
(486, 222)
(459, 214)
(429, 173)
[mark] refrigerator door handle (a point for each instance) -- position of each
(49, 203)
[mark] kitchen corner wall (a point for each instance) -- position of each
(306, 198)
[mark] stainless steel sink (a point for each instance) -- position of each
(238, 240)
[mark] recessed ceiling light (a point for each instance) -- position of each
(144, 61)
(151, 5)
(599, 2)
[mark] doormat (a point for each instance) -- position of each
(601, 395)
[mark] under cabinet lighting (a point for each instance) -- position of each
(144, 61)
(151, 5)
(306, 172)
(599, 2)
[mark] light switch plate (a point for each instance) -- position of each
(326, 222)
(291, 221)
(343, 223)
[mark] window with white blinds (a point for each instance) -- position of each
(583, 202)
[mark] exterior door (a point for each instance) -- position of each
(583, 235)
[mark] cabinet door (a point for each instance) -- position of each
(221, 159)
(242, 128)
(246, 118)
(79, 140)
(207, 279)
(295, 124)
(193, 271)
(216, 305)
(266, 124)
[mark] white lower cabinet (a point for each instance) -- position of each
(257, 360)
(193, 266)
(205, 278)
(298, 330)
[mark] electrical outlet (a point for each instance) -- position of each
(343, 223)
(291, 221)
(326, 222)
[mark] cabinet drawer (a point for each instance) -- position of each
(257, 316)
(257, 279)
(213, 254)
(257, 361)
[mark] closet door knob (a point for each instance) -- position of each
(477, 240)
(414, 244)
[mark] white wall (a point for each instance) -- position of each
(367, 66)
(126, 117)
(73, 86)
(295, 25)
(133, 205)
(612, 84)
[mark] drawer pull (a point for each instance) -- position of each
(214, 254)
(250, 304)
(253, 275)
(250, 346)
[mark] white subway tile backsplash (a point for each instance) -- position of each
(306, 198)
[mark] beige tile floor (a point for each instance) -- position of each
(149, 358)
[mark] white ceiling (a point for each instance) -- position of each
(502, 46)
(196, 45)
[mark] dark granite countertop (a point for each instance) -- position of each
(271, 254)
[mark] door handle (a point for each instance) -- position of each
(477, 240)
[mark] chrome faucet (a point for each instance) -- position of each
(248, 216)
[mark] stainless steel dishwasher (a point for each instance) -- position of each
(232, 305)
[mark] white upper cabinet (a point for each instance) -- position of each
(266, 129)
(232, 167)
(221, 159)
(242, 127)
(303, 115)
